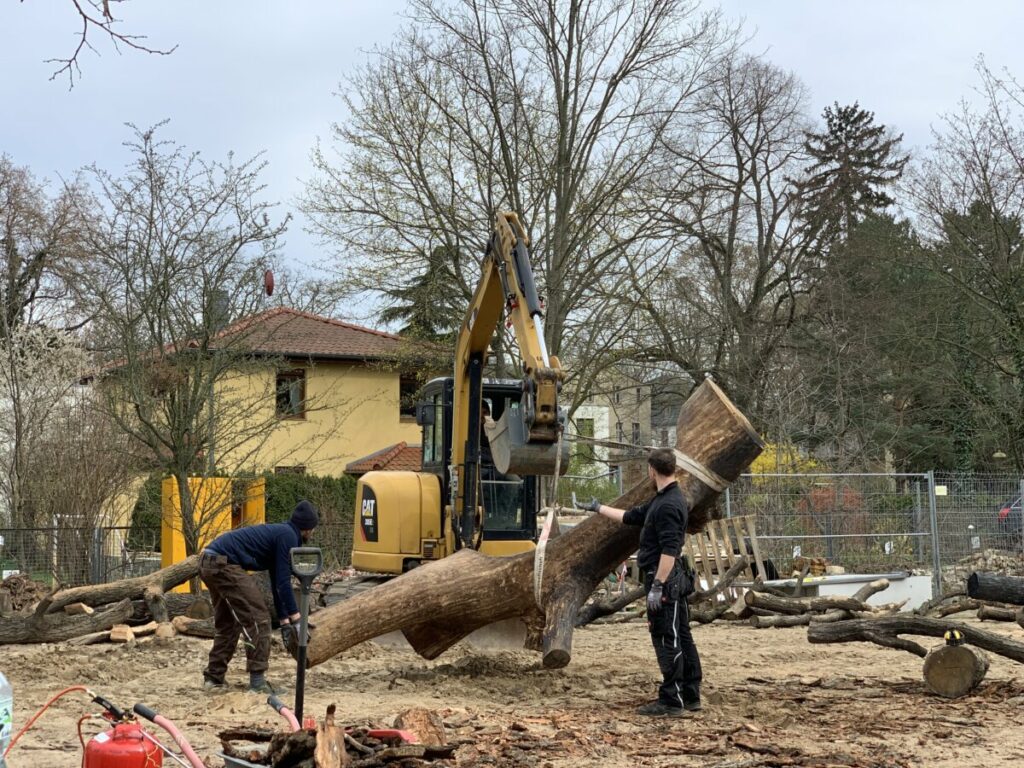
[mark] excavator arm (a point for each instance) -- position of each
(526, 438)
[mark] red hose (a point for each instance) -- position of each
(45, 707)
(180, 740)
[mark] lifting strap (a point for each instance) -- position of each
(549, 522)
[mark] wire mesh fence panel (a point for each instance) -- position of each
(980, 525)
(860, 523)
(335, 541)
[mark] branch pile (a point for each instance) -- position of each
(772, 608)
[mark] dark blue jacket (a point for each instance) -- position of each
(264, 548)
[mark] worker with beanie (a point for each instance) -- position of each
(239, 609)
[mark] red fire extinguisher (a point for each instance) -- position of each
(123, 746)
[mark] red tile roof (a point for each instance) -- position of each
(394, 458)
(290, 332)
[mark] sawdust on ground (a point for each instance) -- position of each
(770, 699)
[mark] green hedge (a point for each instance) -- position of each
(333, 496)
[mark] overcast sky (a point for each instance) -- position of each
(251, 76)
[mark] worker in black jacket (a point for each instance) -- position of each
(667, 582)
(239, 609)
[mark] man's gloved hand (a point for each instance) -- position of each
(591, 506)
(290, 636)
(654, 597)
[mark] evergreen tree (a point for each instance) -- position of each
(854, 160)
(430, 305)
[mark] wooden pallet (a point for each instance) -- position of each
(716, 549)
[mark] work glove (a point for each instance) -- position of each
(590, 506)
(655, 597)
(290, 636)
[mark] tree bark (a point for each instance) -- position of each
(177, 603)
(153, 596)
(798, 605)
(53, 627)
(101, 594)
(996, 588)
(995, 613)
(606, 607)
(193, 627)
(887, 627)
(954, 670)
(763, 622)
(441, 602)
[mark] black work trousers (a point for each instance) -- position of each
(675, 650)
(239, 610)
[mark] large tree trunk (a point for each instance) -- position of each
(996, 588)
(43, 627)
(439, 603)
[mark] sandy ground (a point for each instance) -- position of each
(770, 699)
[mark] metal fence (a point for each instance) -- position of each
(943, 525)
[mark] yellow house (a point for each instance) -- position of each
(330, 392)
(311, 395)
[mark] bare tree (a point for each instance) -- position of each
(181, 246)
(725, 285)
(553, 109)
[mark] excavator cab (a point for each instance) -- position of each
(509, 499)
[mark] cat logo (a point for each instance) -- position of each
(368, 514)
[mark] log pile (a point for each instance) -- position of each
(100, 612)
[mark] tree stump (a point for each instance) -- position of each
(954, 670)
(441, 602)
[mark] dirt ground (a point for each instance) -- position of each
(770, 699)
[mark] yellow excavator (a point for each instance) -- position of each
(476, 489)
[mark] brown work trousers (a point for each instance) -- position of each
(239, 610)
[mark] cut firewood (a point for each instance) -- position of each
(78, 609)
(996, 587)
(90, 639)
(956, 606)
(153, 595)
(194, 627)
(51, 628)
(441, 602)
(954, 670)
(145, 629)
(121, 633)
(330, 743)
(798, 605)
(166, 631)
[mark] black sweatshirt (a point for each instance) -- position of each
(264, 547)
(664, 523)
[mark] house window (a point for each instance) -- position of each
(291, 394)
(636, 433)
(618, 397)
(407, 388)
(638, 394)
(298, 469)
(664, 437)
(620, 434)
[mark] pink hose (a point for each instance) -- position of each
(180, 740)
(288, 715)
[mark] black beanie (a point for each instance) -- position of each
(305, 516)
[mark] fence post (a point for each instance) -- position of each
(934, 520)
(1021, 488)
(918, 520)
(96, 570)
(728, 503)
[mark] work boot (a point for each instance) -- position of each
(264, 686)
(658, 709)
(213, 685)
(692, 706)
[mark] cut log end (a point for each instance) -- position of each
(953, 671)
(556, 658)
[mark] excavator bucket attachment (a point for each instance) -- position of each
(514, 454)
